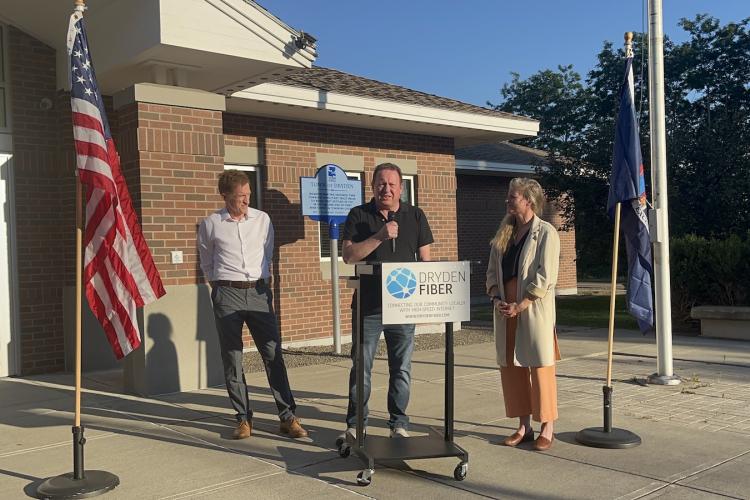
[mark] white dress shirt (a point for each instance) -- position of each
(236, 250)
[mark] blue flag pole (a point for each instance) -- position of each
(626, 186)
(612, 291)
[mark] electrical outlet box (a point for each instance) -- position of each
(176, 256)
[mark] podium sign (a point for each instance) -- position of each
(425, 292)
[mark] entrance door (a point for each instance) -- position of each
(8, 340)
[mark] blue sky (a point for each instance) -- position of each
(466, 50)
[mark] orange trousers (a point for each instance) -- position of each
(526, 390)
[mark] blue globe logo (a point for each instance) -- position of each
(401, 283)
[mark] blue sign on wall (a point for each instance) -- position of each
(329, 196)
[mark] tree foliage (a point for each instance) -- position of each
(707, 102)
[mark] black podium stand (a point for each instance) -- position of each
(376, 448)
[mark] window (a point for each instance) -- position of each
(408, 190)
(323, 236)
(253, 173)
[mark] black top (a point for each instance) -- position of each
(510, 259)
(413, 232)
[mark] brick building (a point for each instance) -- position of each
(482, 175)
(183, 105)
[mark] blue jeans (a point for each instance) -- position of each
(399, 340)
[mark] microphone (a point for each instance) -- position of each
(392, 217)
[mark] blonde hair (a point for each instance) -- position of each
(532, 192)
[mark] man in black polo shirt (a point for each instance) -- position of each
(387, 229)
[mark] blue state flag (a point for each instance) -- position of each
(627, 186)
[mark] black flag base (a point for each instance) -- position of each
(79, 483)
(94, 482)
(607, 437)
(597, 437)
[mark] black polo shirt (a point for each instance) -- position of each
(413, 232)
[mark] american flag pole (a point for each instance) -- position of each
(79, 483)
(78, 473)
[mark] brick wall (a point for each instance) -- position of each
(171, 157)
(566, 277)
(43, 184)
(288, 148)
(480, 207)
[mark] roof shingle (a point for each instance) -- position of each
(503, 152)
(332, 80)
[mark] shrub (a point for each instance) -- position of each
(709, 272)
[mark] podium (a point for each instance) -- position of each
(371, 449)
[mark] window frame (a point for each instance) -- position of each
(413, 192)
(257, 193)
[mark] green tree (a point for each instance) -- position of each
(709, 129)
(707, 92)
(556, 98)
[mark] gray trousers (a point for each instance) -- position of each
(233, 308)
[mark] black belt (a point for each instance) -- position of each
(240, 284)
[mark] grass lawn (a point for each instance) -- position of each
(578, 310)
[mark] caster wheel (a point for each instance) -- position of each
(339, 442)
(344, 450)
(364, 478)
(459, 473)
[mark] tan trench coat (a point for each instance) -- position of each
(537, 275)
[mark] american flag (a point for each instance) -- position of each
(118, 271)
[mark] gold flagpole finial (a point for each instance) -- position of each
(77, 15)
(628, 44)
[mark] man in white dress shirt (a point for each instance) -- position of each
(236, 247)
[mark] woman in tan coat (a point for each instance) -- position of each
(521, 277)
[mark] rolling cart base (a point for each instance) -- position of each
(378, 448)
(370, 449)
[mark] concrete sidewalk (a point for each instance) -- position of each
(696, 436)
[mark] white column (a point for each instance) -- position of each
(659, 237)
(9, 341)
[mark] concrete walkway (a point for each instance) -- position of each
(696, 436)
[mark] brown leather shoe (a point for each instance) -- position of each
(516, 438)
(543, 444)
(244, 430)
(292, 428)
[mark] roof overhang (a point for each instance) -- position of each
(214, 45)
(320, 106)
(481, 167)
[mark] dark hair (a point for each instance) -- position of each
(230, 179)
(387, 166)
